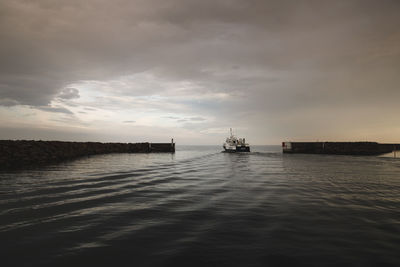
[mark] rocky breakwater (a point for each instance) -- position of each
(22, 154)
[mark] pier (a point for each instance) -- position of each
(339, 148)
(21, 154)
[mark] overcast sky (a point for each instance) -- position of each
(147, 70)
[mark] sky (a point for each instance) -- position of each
(152, 70)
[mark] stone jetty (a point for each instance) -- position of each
(21, 154)
(339, 148)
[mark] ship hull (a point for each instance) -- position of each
(242, 149)
(237, 149)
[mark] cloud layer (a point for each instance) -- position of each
(272, 69)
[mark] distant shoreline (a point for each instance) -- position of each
(22, 154)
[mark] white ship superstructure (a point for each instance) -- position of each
(234, 144)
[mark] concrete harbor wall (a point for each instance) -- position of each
(21, 154)
(339, 148)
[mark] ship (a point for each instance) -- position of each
(233, 144)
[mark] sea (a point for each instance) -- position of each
(202, 207)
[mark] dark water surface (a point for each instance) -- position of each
(201, 207)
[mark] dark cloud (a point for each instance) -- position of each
(172, 117)
(46, 45)
(8, 102)
(89, 109)
(69, 93)
(197, 119)
(54, 109)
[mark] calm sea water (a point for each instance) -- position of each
(201, 207)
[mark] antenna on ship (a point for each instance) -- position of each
(231, 131)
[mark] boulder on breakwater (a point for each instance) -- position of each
(20, 154)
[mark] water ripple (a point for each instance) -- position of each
(202, 207)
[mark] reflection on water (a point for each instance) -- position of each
(395, 154)
(202, 207)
